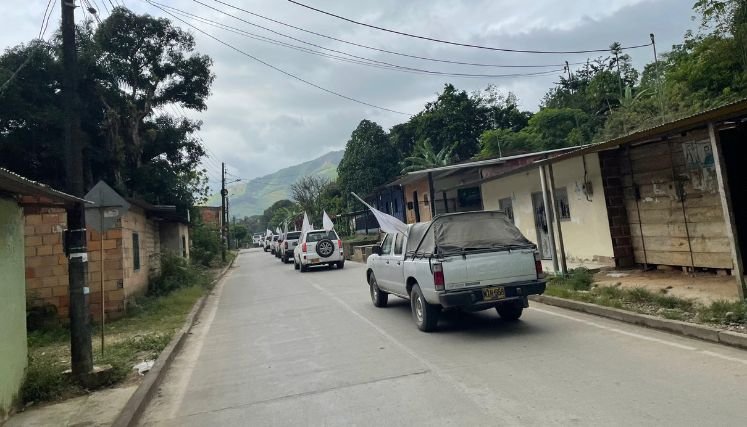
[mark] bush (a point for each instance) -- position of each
(176, 273)
(206, 245)
(579, 279)
(723, 311)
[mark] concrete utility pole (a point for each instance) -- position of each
(75, 236)
(223, 216)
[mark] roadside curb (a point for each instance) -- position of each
(691, 330)
(135, 406)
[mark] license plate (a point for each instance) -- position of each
(492, 294)
(314, 260)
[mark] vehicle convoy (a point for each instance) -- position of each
(318, 247)
(289, 244)
(468, 261)
(267, 243)
(274, 243)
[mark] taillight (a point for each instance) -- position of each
(438, 277)
(303, 247)
(339, 243)
(538, 266)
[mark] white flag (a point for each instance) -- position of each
(387, 223)
(327, 222)
(277, 230)
(306, 226)
(268, 233)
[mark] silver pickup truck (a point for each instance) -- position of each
(470, 261)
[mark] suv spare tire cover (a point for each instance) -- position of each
(325, 248)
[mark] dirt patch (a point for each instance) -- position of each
(704, 287)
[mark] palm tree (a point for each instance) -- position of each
(424, 157)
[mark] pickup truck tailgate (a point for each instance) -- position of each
(497, 268)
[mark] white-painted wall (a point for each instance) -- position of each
(586, 235)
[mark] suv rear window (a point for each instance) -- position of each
(319, 235)
(293, 235)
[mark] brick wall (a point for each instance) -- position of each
(46, 264)
(113, 272)
(136, 281)
(617, 215)
(210, 215)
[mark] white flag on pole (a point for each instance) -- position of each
(387, 223)
(327, 222)
(278, 231)
(268, 233)
(306, 226)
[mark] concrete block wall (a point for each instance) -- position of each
(46, 264)
(113, 284)
(136, 281)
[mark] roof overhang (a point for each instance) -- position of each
(33, 192)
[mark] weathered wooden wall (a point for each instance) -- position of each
(677, 192)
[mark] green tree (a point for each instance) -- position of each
(505, 142)
(561, 127)
(425, 157)
(271, 217)
(368, 162)
(454, 117)
(307, 192)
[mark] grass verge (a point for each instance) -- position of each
(579, 286)
(142, 334)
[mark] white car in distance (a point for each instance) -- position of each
(318, 247)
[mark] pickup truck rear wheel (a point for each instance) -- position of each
(510, 310)
(424, 314)
(378, 297)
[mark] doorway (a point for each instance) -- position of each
(540, 224)
(734, 147)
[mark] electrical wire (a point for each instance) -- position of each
(391, 52)
(103, 2)
(46, 22)
(44, 18)
(360, 60)
(280, 70)
(499, 49)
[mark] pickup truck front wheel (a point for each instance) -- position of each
(425, 315)
(510, 310)
(378, 297)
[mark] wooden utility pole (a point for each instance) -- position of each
(223, 216)
(75, 236)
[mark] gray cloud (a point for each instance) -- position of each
(259, 120)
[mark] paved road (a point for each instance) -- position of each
(276, 347)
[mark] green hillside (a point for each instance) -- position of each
(253, 197)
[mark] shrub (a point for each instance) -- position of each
(176, 273)
(723, 311)
(206, 245)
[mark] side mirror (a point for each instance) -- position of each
(377, 250)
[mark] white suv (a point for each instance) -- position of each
(318, 247)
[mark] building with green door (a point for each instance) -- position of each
(15, 193)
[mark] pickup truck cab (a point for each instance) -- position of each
(469, 261)
(318, 247)
(289, 244)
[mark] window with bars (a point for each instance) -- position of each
(507, 206)
(563, 206)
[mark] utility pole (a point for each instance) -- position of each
(223, 216)
(659, 89)
(75, 236)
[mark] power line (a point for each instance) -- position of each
(362, 60)
(280, 70)
(499, 49)
(46, 21)
(391, 52)
(44, 18)
(99, 8)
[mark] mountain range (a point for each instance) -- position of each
(253, 197)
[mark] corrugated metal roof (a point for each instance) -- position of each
(13, 183)
(415, 175)
(717, 114)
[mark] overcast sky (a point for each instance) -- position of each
(259, 120)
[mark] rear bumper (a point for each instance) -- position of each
(473, 297)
